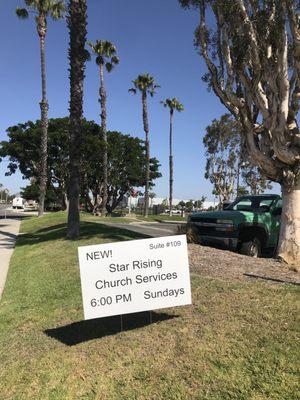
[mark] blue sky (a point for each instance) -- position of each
(151, 36)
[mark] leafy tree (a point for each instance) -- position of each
(182, 206)
(165, 204)
(199, 203)
(126, 166)
(152, 196)
(253, 179)
(145, 84)
(22, 148)
(241, 191)
(173, 105)
(126, 154)
(252, 52)
(77, 23)
(105, 57)
(227, 159)
(221, 142)
(43, 9)
(31, 192)
(189, 205)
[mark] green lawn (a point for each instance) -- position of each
(237, 341)
(94, 218)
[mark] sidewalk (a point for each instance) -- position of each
(9, 229)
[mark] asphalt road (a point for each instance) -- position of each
(155, 229)
(8, 212)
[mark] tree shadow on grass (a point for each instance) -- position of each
(87, 230)
(83, 331)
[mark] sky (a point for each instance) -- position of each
(151, 36)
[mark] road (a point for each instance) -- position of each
(6, 210)
(153, 229)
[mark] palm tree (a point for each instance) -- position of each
(146, 85)
(173, 105)
(77, 23)
(105, 56)
(43, 9)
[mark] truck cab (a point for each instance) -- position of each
(249, 225)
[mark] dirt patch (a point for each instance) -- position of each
(208, 261)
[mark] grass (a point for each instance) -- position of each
(237, 341)
(128, 219)
(94, 218)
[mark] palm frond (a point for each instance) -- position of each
(145, 83)
(115, 60)
(173, 104)
(105, 52)
(109, 66)
(57, 10)
(31, 3)
(91, 45)
(132, 90)
(100, 60)
(22, 13)
(87, 55)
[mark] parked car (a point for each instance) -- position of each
(174, 212)
(249, 225)
(31, 205)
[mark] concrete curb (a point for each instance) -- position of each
(9, 230)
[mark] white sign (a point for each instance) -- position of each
(133, 276)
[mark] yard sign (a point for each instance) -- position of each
(132, 276)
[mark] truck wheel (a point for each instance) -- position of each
(252, 248)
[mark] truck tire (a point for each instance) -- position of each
(251, 248)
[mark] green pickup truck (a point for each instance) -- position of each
(249, 225)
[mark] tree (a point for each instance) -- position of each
(227, 159)
(146, 85)
(221, 142)
(152, 196)
(22, 150)
(198, 204)
(77, 22)
(189, 205)
(105, 56)
(173, 105)
(182, 206)
(126, 154)
(43, 9)
(252, 52)
(127, 164)
(254, 179)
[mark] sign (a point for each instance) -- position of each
(133, 276)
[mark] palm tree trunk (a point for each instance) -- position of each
(77, 22)
(44, 117)
(147, 177)
(104, 138)
(171, 164)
